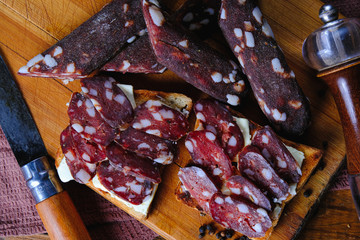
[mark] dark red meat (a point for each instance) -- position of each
(108, 99)
(132, 189)
(217, 118)
(155, 118)
(131, 163)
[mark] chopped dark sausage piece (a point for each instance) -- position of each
(158, 149)
(90, 45)
(195, 62)
(217, 118)
(87, 151)
(86, 120)
(274, 150)
(272, 81)
(239, 185)
(157, 119)
(132, 189)
(254, 166)
(131, 163)
(205, 150)
(81, 171)
(199, 16)
(240, 215)
(138, 57)
(108, 99)
(198, 184)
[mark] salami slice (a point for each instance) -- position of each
(199, 185)
(131, 163)
(157, 119)
(158, 149)
(216, 118)
(205, 150)
(90, 45)
(87, 151)
(274, 150)
(132, 189)
(81, 171)
(243, 187)
(199, 16)
(239, 215)
(108, 99)
(195, 62)
(138, 57)
(275, 87)
(254, 166)
(86, 120)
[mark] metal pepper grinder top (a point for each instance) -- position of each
(334, 51)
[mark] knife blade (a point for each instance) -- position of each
(54, 205)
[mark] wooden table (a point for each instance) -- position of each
(28, 27)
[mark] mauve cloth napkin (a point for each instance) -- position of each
(18, 215)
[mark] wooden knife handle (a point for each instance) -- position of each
(344, 82)
(61, 219)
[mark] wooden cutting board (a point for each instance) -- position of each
(28, 27)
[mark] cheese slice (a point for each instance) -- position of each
(243, 124)
(129, 92)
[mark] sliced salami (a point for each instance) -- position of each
(108, 99)
(205, 150)
(275, 87)
(81, 171)
(199, 185)
(157, 119)
(244, 188)
(217, 118)
(86, 120)
(158, 149)
(132, 189)
(274, 150)
(131, 163)
(199, 16)
(90, 45)
(239, 215)
(87, 151)
(138, 57)
(195, 62)
(254, 166)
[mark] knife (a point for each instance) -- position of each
(56, 210)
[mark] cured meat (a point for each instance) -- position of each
(158, 149)
(81, 171)
(205, 150)
(87, 151)
(87, 121)
(132, 189)
(239, 215)
(244, 188)
(274, 150)
(216, 118)
(199, 16)
(199, 185)
(108, 99)
(138, 57)
(132, 164)
(90, 45)
(157, 119)
(195, 62)
(275, 87)
(254, 166)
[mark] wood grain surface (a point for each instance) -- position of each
(28, 27)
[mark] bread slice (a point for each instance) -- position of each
(174, 100)
(312, 156)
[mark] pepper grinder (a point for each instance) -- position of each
(334, 51)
